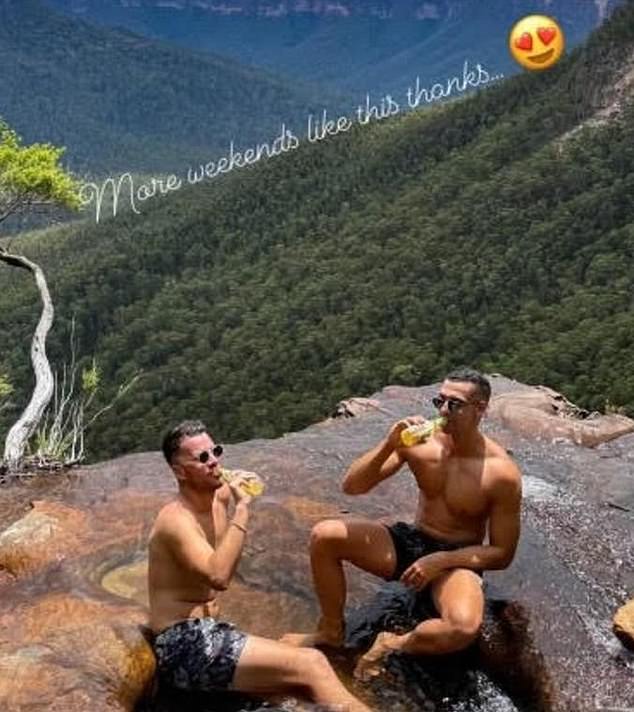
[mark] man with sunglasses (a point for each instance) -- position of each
(194, 549)
(467, 485)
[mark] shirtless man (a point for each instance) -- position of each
(194, 549)
(466, 481)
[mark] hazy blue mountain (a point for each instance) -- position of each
(356, 45)
(121, 102)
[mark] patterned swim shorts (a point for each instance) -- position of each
(199, 654)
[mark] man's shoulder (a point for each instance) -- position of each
(171, 519)
(503, 471)
(497, 454)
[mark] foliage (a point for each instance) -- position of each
(469, 233)
(60, 438)
(5, 390)
(91, 378)
(31, 176)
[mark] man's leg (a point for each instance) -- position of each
(363, 543)
(268, 667)
(459, 599)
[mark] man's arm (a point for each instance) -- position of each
(191, 548)
(220, 510)
(371, 468)
(381, 462)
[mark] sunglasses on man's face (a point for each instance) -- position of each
(216, 451)
(453, 404)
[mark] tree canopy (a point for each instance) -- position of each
(31, 176)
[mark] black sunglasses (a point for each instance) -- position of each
(216, 451)
(453, 404)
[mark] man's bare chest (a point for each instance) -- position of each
(213, 525)
(460, 484)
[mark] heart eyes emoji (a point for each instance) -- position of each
(536, 42)
(545, 34)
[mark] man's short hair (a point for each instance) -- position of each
(470, 375)
(172, 440)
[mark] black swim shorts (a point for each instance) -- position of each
(411, 544)
(199, 654)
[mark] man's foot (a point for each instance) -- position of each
(329, 633)
(312, 640)
(371, 663)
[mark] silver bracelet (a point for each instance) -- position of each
(235, 524)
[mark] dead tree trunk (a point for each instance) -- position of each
(19, 435)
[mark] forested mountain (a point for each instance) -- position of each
(121, 102)
(486, 231)
(381, 44)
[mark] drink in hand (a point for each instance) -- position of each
(253, 485)
(416, 434)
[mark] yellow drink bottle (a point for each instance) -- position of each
(253, 485)
(419, 433)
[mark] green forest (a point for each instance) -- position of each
(477, 232)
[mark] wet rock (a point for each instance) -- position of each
(129, 581)
(47, 534)
(542, 412)
(623, 624)
(354, 406)
(54, 532)
(309, 511)
(28, 678)
(68, 653)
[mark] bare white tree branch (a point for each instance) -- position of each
(23, 429)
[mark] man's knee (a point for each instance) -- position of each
(461, 628)
(312, 662)
(464, 627)
(327, 534)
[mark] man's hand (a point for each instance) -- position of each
(394, 434)
(239, 495)
(423, 571)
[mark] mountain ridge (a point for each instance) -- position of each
(381, 9)
(382, 45)
(120, 101)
